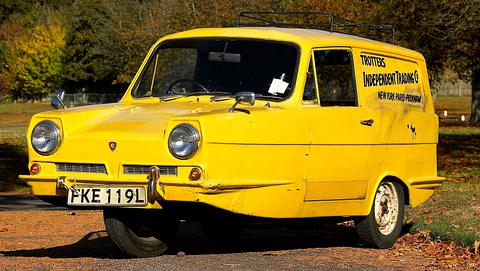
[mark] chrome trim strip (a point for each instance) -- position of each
(80, 167)
(140, 169)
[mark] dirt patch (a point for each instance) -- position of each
(76, 240)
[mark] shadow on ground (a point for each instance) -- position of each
(25, 202)
(92, 245)
(13, 162)
(192, 241)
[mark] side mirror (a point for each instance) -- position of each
(246, 97)
(57, 100)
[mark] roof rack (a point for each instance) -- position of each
(332, 24)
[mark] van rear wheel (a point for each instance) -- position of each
(140, 233)
(383, 225)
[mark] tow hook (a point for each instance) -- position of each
(62, 184)
(153, 180)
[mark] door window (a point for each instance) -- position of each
(334, 70)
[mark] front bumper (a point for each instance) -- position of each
(178, 187)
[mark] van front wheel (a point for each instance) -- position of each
(140, 233)
(383, 225)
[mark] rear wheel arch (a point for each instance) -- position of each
(394, 179)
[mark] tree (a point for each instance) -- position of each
(124, 43)
(113, 47)
(39, 66)
(82, 60)
(8, 7)
(463, 34)
(33, 42)
(446, 32)
(106, 40)
(11, 31)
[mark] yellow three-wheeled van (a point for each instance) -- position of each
(226, 123)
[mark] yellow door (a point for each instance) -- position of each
(341, 131)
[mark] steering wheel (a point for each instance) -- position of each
(171, 89)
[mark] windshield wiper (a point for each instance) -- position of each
(222, 96)
(171, 97)
(214, 93)
(178, 96)
(216, 96)
(265, 97)
(195, 93)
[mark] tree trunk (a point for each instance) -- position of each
(475, 117)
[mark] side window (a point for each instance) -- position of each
(144, 89)
(310, 89)
(335, 78)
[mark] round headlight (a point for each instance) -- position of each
(45, 137)
(183, 141)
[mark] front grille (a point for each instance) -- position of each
(77, 167)
(136, 169)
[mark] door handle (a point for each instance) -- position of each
(368, 122)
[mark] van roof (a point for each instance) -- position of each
(301, 36)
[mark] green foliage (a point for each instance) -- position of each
(444, 230)
(123, 43)
(446, 32)
(10, 32)
(106, 40)
(451, 213)
(8, 7)
(83, 57)
(33, 44)
(105, 46)
(39, 66)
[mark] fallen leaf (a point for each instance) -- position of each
(476, 246)
(426, 211)
(274, 253)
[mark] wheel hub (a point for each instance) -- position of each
(386, 208)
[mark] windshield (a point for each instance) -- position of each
(203, 66)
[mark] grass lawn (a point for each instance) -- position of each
(19, 114)
(14, 119)
(458, 105)
(453, 213)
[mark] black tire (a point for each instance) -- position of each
(140, 233)
(383, 234)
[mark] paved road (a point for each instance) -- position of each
(25, 202)
(53, 238)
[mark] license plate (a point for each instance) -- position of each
(107, 196)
